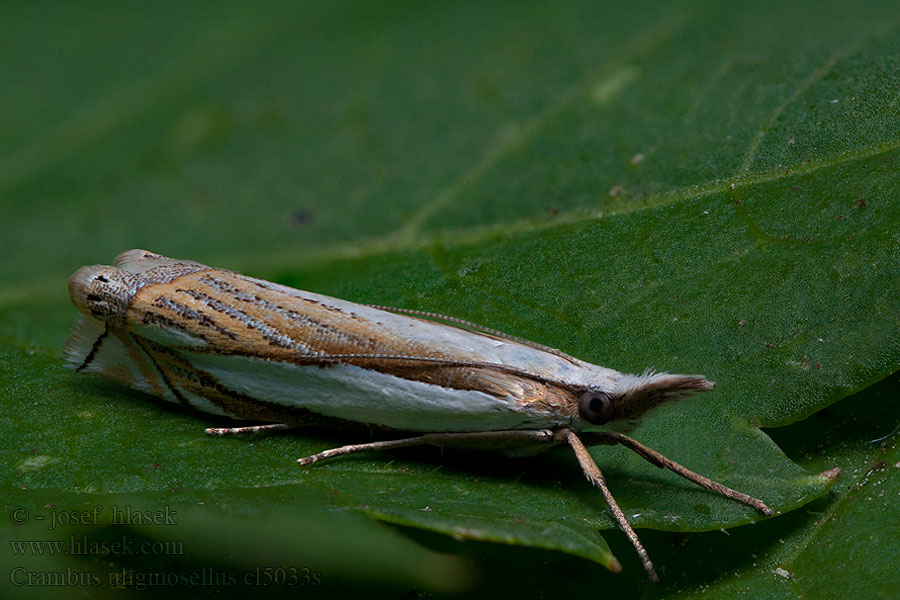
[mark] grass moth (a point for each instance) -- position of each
(233, 345)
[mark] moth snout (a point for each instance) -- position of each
(639, 394)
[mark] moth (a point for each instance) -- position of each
(242, 347)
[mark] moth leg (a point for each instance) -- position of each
(595, 476)
(661, 461)
(245, 430)
(480, 438)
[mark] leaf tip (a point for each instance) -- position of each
(614, 565)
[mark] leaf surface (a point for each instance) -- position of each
(707, 188)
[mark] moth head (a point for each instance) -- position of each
(636, 395)
(101, 292)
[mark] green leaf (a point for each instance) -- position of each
(705, 189)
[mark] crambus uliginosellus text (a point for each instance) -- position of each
(232, 345)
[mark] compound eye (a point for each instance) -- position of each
(596, 407)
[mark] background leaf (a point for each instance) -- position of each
(708, 187)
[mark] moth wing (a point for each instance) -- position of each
(475, 328)
(139, 261)
(353, 394)
(91, 349)
(232, 314)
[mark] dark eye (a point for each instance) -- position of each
(596, 407)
